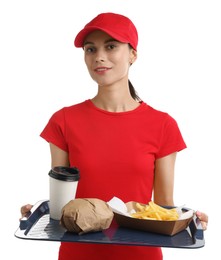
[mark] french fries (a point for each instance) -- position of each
(154, 212)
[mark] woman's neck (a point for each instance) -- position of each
(114, 100)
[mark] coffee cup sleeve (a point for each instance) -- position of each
(86, 215)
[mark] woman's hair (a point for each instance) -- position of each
(131, 87)
(133, 92)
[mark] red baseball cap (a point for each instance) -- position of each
(117, 26)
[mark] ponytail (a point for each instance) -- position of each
(133, 92)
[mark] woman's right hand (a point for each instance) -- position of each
(25, 210)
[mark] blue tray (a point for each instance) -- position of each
(39, 226)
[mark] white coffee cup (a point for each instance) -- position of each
(63, 183)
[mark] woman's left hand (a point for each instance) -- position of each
(203, 219)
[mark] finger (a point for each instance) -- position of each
(202, 216)
(25, 209)
(203, 219)
(204, 225)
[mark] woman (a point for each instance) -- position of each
(122, 146)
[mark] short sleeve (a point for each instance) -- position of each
(54, 131)
(171, 138)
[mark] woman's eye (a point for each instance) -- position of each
(89, 49)
(111, 46)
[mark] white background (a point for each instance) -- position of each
(178, 71)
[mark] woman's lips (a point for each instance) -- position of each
(101, 70)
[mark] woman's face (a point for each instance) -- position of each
(107, 60)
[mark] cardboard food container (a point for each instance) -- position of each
(166, 227)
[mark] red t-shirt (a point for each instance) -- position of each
(115, 153)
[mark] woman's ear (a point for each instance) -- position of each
(133, 56)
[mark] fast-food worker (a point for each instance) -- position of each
(122, 146)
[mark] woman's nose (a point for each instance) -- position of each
(100, 56)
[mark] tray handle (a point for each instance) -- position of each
(41, 207)
(197, 231)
